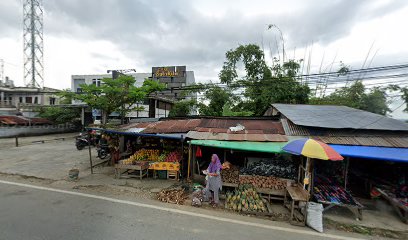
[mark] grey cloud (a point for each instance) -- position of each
(174, 32)
(11, 18)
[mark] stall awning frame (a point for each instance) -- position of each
(267, 147)
(375, 153)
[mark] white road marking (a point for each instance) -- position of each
(221, 219)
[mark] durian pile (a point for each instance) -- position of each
(246, 199)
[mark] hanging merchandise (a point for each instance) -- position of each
(198, 152)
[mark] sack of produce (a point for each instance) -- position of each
(315, 216)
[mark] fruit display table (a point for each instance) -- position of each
(141, 170)
(172, 168)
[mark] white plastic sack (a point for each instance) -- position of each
(314, 217)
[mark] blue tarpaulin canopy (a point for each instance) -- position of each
(376, 153)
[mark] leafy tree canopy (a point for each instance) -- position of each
(112, 95)
(59, 115)
(263, 85)
(357, 96)
(217, 97)
(182, 108)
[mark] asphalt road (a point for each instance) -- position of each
(29, 213)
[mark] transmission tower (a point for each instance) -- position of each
(33, 43)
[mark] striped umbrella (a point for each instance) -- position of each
(312, 149)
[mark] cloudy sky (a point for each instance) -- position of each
(91, 36)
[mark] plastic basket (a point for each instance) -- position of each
(162, 174)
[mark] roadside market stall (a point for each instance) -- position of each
(138, 153)
(379, 172)
(260, 164)
(326, 193)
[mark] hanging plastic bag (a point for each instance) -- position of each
(198, 152)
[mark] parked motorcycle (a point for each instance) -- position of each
(103, 151)
(82, 141)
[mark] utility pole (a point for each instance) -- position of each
(33, 43)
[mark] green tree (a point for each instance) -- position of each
(118, 95)
(59, 115)
(182, 108)
(216, 97)
(228, 111)
(262, 85)
(357, 96)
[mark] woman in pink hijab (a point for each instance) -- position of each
(214, 183)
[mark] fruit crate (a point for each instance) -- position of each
(165, 166)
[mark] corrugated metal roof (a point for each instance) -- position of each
(40, 121)
(17, 120)
(292, 129)
(256, 130)
(169, 126)
(348, 136)
(236, 137)
(365, 141)
(337, 117)
(255, 125)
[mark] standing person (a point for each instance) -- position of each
(214, 183)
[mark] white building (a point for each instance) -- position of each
(25, 99)
(157, 106)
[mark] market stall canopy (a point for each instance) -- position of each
(312, 149)
(269, 147)
(376, 153)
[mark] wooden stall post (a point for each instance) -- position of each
(189, 161)
(182, 157)
(90, 155)
(346, 172)
(307, 175)
(16, 141)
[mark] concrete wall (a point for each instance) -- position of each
(34, 130)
